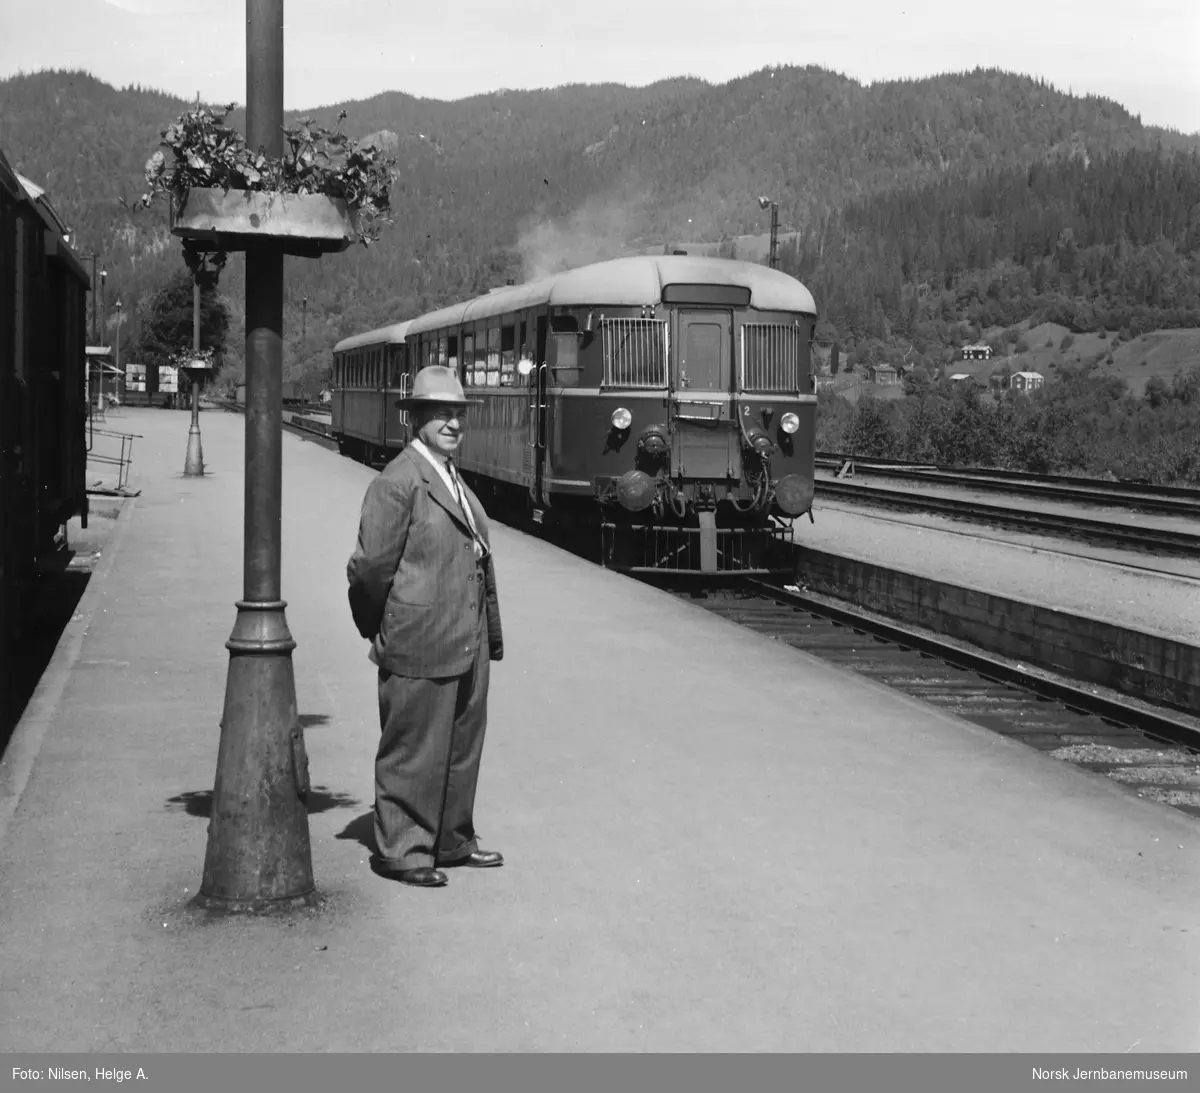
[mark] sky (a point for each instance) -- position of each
(1145, 55)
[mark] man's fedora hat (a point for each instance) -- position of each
(436, 385)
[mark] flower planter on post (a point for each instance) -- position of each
(307, 225)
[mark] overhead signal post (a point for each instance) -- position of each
(259, 855)
(767, 203)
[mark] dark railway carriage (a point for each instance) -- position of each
(370, 373)
(43, 408)
(664, 403)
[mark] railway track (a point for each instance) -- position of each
(1151, 752)
(1054, 523)
(1140, 497)
(292, 421)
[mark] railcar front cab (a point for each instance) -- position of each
(709, 414)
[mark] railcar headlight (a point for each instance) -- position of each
(622, 418)
(789, 423)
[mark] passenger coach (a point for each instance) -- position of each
(43, 396)
(664, 402)
(370, 372)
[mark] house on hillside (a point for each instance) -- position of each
(883, 374)
(1027, 381)
(979, 352)
(962, 377)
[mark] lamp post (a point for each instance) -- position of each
(103, 323)
(767, 203)
(259, 855)
(193, 466)
(117, 349)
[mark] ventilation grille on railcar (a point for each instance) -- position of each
(635, 352)
(770, 357)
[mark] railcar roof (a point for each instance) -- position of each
(393, 334)
(629, 282)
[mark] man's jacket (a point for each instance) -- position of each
(416, 589)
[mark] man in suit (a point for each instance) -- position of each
(423, 590)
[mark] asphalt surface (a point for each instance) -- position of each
(713, 842)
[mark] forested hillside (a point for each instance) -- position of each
(908, 195)
(1110, 242)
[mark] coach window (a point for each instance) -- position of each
(565, 361)
(493, 357)
(481, 354)
(468, 360)
(452, 351)
(442, 350)
(508, 355)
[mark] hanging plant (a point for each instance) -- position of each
(203, 153)
(194, 358)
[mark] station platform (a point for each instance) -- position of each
(714, 843)
(1154, 594)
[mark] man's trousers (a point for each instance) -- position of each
(428, 764)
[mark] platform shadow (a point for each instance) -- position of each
(198, 802)
(361, 830)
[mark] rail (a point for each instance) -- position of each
(1156, 721)
(1060, 524)
(1182, 500)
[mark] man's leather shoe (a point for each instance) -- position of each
(479, 859)
(423, 877)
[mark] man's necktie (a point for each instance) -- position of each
(480, 546)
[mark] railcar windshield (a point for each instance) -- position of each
(770, 357)
(635, 352)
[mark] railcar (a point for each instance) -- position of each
(43, 396)
(370, 373)
(666, 403)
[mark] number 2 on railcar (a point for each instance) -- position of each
(664, 403)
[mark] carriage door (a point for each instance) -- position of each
(535, 448)
(704, 444)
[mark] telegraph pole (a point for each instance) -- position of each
(259, 855)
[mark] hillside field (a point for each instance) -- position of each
(1161, 353)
